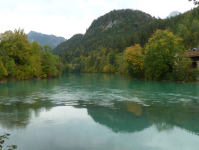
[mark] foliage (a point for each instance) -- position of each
(3, 71)
(103, 48)
(20, 59)
(50, 65)
(5, 136)
(105, 41)
(110, 30)
(121, 63)
(107, 68)
(182, 70)
(47, 48)
(17, 45)
(196, 2)
(134, 60)
(161, 52)
(10, 67)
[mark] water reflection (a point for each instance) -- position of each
(135, 117)
(119, 103)
(121, 117)
(134, 107)
(18, 114)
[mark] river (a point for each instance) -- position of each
(99, 112)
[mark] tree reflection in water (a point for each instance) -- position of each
(17, 115)
(134, 117)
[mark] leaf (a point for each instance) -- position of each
(14, 146)
(2, 141)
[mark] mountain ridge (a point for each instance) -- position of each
(110, 27)
(43, 39)
(174, 13)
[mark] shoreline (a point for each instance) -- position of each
(116, 73)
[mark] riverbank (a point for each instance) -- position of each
(116, 73)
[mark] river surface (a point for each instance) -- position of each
(99, 112)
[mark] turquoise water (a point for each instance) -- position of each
(99, 112)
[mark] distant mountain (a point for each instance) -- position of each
(173, 14)
(108, 30)
(43, 39)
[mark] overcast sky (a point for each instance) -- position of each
(68, 17)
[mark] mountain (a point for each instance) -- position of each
(108, 30)
(43, 39)
(173, 14)
(101, 48)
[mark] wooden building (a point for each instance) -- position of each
(194, 55)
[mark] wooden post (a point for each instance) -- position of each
(197, 62)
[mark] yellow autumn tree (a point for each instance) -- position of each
(107, 68)
(134, 58)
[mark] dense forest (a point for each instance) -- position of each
(20, 59)
(112, 40)
(111, 30)
(122, 41)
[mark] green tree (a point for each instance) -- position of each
(195, 26)
(111, 58)
(36, 48)
(182, 68)
(51, 65)
(11, 67)
(121, 63)
(47, 48)
(196, 2)
(3, 71)
(17, 45)
(182, 30)
(161, 52)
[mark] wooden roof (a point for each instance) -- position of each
(193, 54)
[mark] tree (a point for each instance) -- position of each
(195, 26)
(182, 67)
(121, 63)
(196, 2)
(47, 48)
(17, 45)
(11, 67)
(51, 65)
(36, 48)
(161, 52)
(182, 30)
(3, 71)
(134, 60)
(111, 57)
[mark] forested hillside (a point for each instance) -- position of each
(122, 41)
(111, 38)
(110, 30)
(43, 39)
(69, 44)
